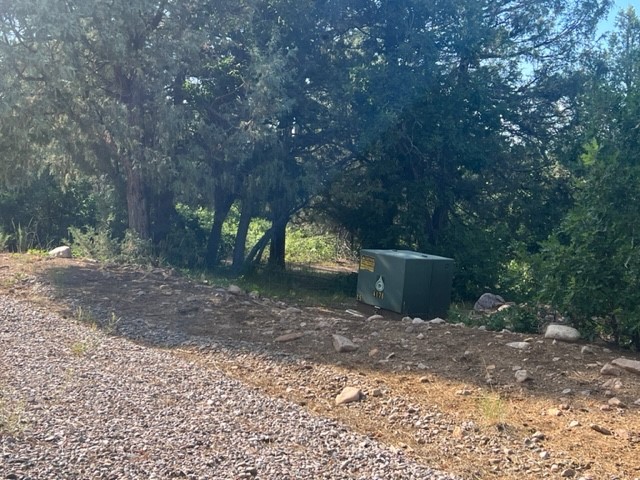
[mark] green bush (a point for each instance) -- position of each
(590, 267)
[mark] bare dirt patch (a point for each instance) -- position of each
(444, 393)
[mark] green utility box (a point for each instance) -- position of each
(406, 282)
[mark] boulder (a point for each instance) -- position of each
(562, 332)
(488, 302)
(60, 252)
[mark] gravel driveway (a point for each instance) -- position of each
(76, 403)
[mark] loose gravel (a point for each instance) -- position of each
(76, 403)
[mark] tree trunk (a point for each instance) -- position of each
(221, 211)
(137, 207)
(277, 247)
(162, 213)
(241, 236)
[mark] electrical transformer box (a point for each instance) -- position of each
(405, 282)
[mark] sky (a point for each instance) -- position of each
(608, 24)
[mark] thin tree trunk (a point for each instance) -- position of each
(241, 236)
(220, 214)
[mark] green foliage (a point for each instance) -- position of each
(517, 318)
(590, 267)
(93, 243)
(100, 245)
(38, 213)
(5, 239)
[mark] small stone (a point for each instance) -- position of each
(537, 436)
(391, 355)
(342, 344)
(348, 395)
(587, 350)
(437, 321)
(609, 369)
(518, 345)
(234, 290)
(407, 319)
(417, 321)
(574, 424)
(544, 455)
(637, 402)
(420, 336)
(464, 392)
(554, 412)
(605, 408)
(424, 380)
(523, 376)
(289, 337)
(599, 429)
(421, 366)
(566, 391)
(409, 329)
(568, 473)
(376, 392)
(373, 352)
(375, 317)
(616, 402)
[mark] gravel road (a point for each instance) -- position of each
(76, 403)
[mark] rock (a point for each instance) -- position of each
(637, 402)
(554, 412)
(632, 366)
(568, 473)
(574, 424)
(406, 319)
(424, 380)
(348, 395)
(373, 352)
(376, 392)
(488, 302)
(615, 402)
(587, 350)
(599, 429)
(417, 321)
(562, 332)
(437, 321)
(544, 455)
(420, 336)
(289, 337)
(375, 317)
(523, 376)
(234, 290)
(343, 344)
(518, 345)
(609, 369)
(60, 252)
(614, 383)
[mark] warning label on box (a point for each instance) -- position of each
(367, 263)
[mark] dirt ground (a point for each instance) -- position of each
(444, 393)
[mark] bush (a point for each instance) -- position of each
(590, 267)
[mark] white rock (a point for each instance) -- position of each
(437, 321)
(375, 317)
(235, 290)
(518, 345)
(60, 252)
(523, 376)
(562, 332)
(348, 395)
(587, 350)
(417, 321)
(343, 344)
(632, 366)
(289, 337)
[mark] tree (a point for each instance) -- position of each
(590, 266)
(102, 75)
(486, 87)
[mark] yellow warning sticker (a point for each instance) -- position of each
(367, 263)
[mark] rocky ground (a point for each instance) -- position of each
(121, 372)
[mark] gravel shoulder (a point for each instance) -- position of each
(120, 372)
(78, 403)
